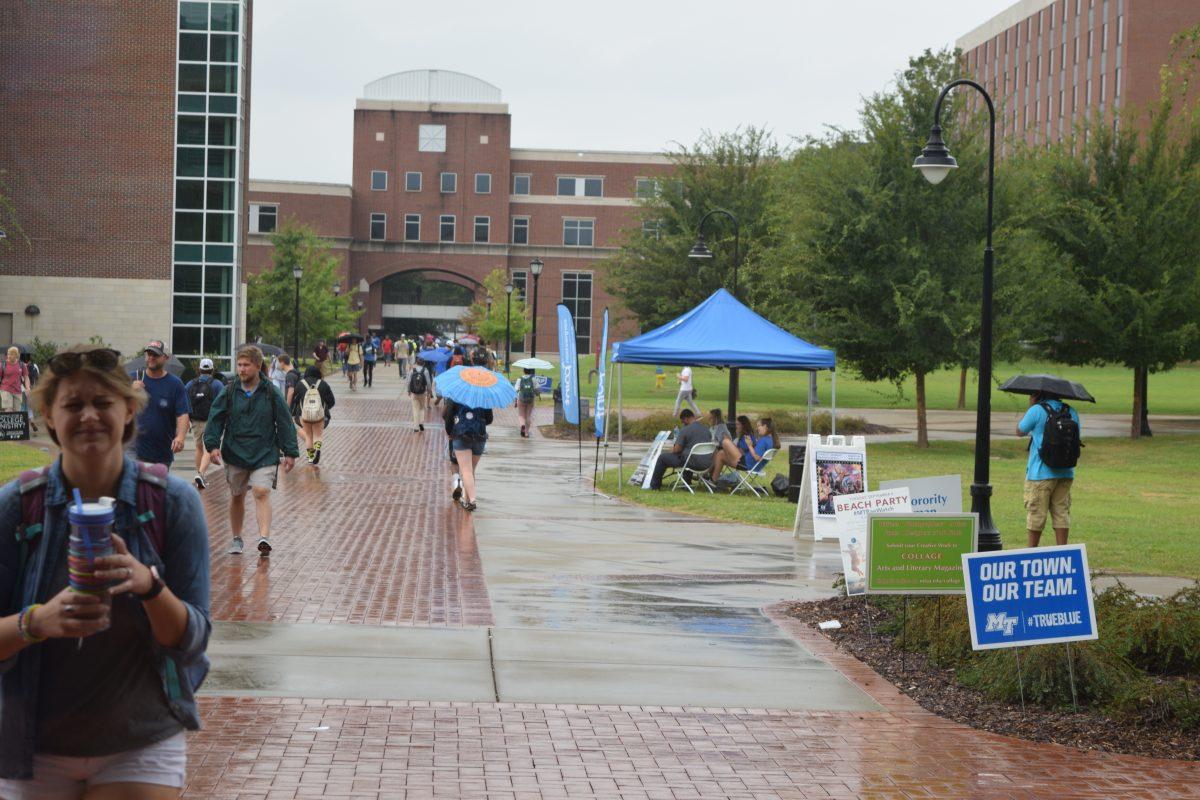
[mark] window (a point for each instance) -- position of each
(1120, 29)
(1060, 103)
(446, 228)
(647, 188)
(1039, 65)
(1104, 37)
(412, 181)
(1102, 87)
(449, 182)
(521, 184)
(577, 297)
(1116, 84)
(262, 217)
(412, 227)
(483, 183)
(519, 282)
(650, 228)
(1075, 60)
(1074, 99)
(482, 229)
(1091, 40)
(520, 231)
(378, 181)
(378, 227)
(431, 138)
(581, 187)
(578, 232)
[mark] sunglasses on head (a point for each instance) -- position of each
(102, 358)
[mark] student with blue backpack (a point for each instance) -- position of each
(467, 429)
(78, 711)
(1053, 428)
(201, 391)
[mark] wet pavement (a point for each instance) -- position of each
(555, 644)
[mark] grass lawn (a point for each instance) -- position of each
(1170, 392)
(16, 458)
(1133, 501)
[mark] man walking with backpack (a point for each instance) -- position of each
(163, 424)
(370, 356)
(248, 427)
(420, 390)
(1053, 453)
(201, 391)
(527, 392)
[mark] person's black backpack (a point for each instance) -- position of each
(417, 382)
(201, 394)
(468, 424)
(1060, 438)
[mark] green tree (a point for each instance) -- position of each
(9, 223)
(651, 272)
(271, 295)
(490, 327)
(1118, 274)
(867, 255)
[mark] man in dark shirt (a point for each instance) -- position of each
(163, 424)
(691, 433)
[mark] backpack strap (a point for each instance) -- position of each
(152, 503)
(33, 515)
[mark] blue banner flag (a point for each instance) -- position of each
(567, 365)
(600, 371)
(1036, 595)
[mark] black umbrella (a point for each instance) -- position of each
(267, 349)
(1049, 385)
(174, 365)
(350, 337)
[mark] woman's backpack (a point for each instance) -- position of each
(418, 383)
(469, 425)
(312, 407)
(527, 391)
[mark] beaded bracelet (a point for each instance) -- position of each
(23, 625)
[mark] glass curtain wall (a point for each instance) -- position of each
(208, 169)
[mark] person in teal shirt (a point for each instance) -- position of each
(1047, 489)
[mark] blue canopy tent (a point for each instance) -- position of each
(721, 332)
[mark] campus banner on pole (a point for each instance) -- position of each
(1035, 595)
(600, 374)
(567, 367)
(853, 511)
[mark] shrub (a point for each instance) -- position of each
(41, 352)
(1158, 635)
(1103, 676)
(938, 627)
(1176, 701)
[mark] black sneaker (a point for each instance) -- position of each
(316, 459)
(523, 434)
(201, 484)
(420, 426)
(264, 547)
(469, 505)
(456, 492)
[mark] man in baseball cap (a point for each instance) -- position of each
(163, 424)
(201, 391)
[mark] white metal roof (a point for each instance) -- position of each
(432, 86)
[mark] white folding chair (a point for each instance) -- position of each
(752, 478)
(698, 451)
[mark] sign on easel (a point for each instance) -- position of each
(645, 468)
(14, 426)
(832, 467)
(853, 512)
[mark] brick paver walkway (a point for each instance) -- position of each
(370, 539)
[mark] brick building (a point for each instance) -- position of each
(124, 146)
(439, 198)
(1052, 64)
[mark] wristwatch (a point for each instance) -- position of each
(155, 588)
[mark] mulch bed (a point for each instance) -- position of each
(936, 690)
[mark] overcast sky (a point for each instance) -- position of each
(608, 75)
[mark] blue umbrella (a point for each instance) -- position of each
(475, 387)
(433, 356)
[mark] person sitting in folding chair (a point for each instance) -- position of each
(735, 452)
(692, 432)
(760, 456)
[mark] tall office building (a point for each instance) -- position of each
(1052, 64)
(124, 145)
(439, 198)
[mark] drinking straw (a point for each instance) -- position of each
(78, 500)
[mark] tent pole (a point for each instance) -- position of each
(808, 414)
(608, 390)
(620, 431)
(833, 404)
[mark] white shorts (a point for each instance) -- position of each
(68, 777)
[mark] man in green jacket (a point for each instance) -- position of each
(248, 427)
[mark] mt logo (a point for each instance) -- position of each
(1001, 622)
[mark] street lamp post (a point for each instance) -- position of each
(360, 303)
(700, 250)
(535, 269)
(508, 290)
(935, 163)
(297, 273)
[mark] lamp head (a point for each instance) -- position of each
(337, 287)
(508, 287)
(297, 271)
(700, 249)
(935, 161)
(535, 267)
